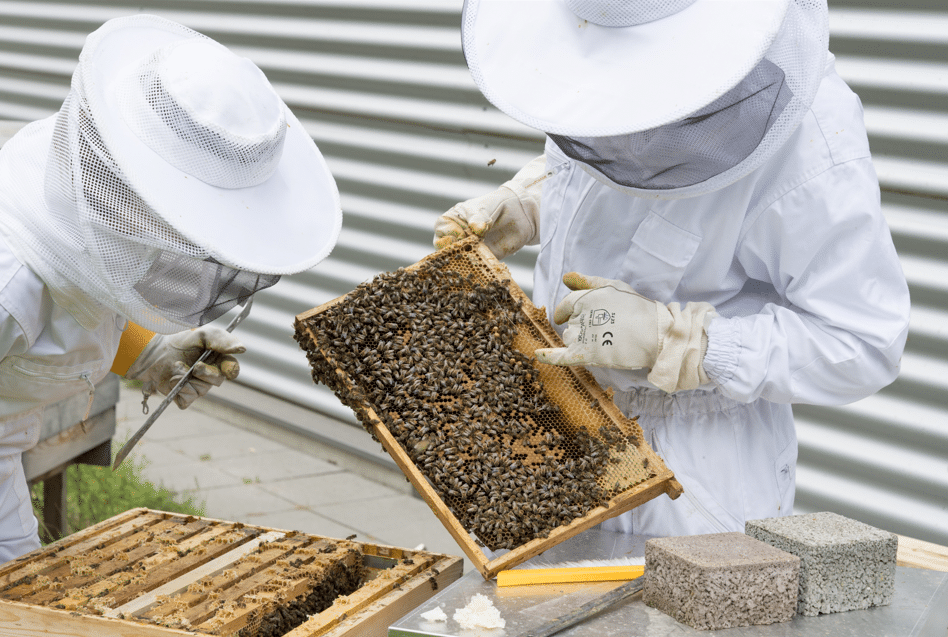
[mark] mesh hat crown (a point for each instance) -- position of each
(625, 13)
(202, 139)
(207, 112)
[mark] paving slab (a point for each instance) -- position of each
(173, 424)
(340, 488)
(190, 476)
(401, 520)
(306, 521)
(235, 443)
(275, 465)
(159, 457)
(239, 502)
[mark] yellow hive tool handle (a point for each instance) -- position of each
(576, 574)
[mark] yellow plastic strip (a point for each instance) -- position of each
(133, 342)
(527, 576)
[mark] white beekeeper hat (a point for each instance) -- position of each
(173, 183)
(589, 70)
(201, 136)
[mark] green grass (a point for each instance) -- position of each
(94, 494)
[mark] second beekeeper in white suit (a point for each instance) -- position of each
(709, 225)
(172, 185)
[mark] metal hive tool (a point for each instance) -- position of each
(437, 362)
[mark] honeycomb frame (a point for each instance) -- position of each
(153, 573)
(634, 475)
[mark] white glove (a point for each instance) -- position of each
(507, 219)
(612, 325)
(167, 358)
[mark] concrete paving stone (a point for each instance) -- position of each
(190, 476)
(176, 425)
(274, 465)
(157, 455)
(240, 503)
(318, 491)
(401, 521)
(219, 447)
(304, 520)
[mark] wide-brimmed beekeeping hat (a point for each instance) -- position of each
(172, 184)
(202, 137)
(594, 72)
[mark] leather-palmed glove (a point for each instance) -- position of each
(167, 358)
(506, 219)
(612, 325)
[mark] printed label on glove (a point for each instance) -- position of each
(597, 318)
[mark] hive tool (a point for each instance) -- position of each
(127, 448)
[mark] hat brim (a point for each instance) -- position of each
(545, 67)
(285, 225)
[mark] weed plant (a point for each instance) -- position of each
(94, 494)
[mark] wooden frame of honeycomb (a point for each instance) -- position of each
(582, 414)
(155, 574)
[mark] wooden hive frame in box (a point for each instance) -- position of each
(155, 574)
(636, 476)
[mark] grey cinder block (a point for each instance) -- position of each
(845, 564)
(721, 580)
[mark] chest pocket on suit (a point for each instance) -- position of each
(658, 256)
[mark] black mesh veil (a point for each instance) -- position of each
(690, 151)
(194, 291)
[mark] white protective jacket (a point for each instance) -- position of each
(814, 308)
(45, 356)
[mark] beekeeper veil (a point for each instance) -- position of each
(172, 184)
(665, 98)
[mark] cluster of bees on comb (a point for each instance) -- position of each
(430, 350)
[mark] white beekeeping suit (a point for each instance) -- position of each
(171, 186)
(710, 231)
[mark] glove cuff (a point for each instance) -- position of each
(527, 186)
(679, 364)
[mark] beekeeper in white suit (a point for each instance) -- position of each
(172, 185)
(709, 225)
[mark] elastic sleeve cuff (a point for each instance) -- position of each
(724, 349)
(133, 342)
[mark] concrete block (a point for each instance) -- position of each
(721, 580)
(844, 564)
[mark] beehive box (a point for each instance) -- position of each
(437, 362)
(155, 574)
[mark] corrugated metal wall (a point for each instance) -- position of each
(884, 460)
(382, 87)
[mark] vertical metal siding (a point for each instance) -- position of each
(382, 87)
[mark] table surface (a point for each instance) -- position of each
(919, 606)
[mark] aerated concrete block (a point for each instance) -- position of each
(722, 580)
(845, 564)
